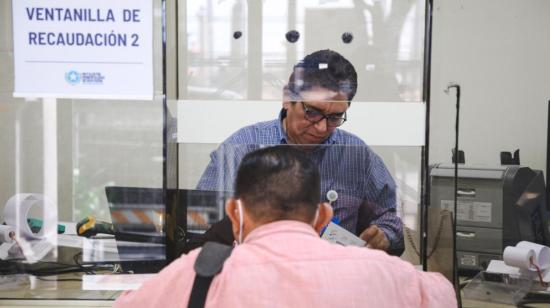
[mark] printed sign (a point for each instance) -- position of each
(98, 49)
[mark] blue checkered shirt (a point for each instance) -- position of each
(366, 190)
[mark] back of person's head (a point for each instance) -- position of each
(326, 69)
(278, 183)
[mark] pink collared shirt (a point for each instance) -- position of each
(286, 264)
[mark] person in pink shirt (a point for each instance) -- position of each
(279, 259)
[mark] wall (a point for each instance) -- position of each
(497, 50)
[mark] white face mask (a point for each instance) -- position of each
(240, 207)
(316, 217)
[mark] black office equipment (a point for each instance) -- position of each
(496, 207)
(460, 158)
(548, 157)
(506, 158)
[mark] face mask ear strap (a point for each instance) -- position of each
(316, 216)
(240, 207)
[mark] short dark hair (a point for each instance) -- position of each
(327, 69)
(277, 183)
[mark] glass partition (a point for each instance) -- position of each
(236, 59)
(67, 165)
(239, 50)
(101, 171)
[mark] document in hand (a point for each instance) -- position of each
(338, 235)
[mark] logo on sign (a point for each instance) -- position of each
(72, 77)
(86, 78)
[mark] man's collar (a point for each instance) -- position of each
(283, 137)
(284, 227)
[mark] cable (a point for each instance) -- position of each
(539, 272)
(59, 279)
(9, 267)
(455, 212)
(47, 268)
(54, 273)
(12, 267)
(84, 269)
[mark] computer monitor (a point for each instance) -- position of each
(189, 214)
(150, 232)
(137, 215)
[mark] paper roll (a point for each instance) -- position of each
(16, 213)
(5, 234)
(518, 257)
(542, 253)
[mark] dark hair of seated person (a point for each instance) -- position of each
(339, 75)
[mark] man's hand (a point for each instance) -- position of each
(375, 238)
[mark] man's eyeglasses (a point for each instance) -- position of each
(314, 116)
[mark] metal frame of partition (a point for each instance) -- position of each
(425, 177)
(170, 148)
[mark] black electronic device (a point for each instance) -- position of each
(191, 214)
(151, 232)
(506, 158)
(460, 158)
(496, 207)
(137, 216)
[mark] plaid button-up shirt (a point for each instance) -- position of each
(347, 165)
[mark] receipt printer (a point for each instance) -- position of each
(496, 207)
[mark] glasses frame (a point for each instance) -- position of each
(330, 117)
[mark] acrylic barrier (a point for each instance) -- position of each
(385, 124)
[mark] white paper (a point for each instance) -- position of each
(98, 249)
(70, 227)
(499, 267)
(338, 235)
(515, 261)
(4, 250)
(114, 282)
(35, 250)
(68, 240)
(518, 257)
(542, 253)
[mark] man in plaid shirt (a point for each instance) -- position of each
(315, 103)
